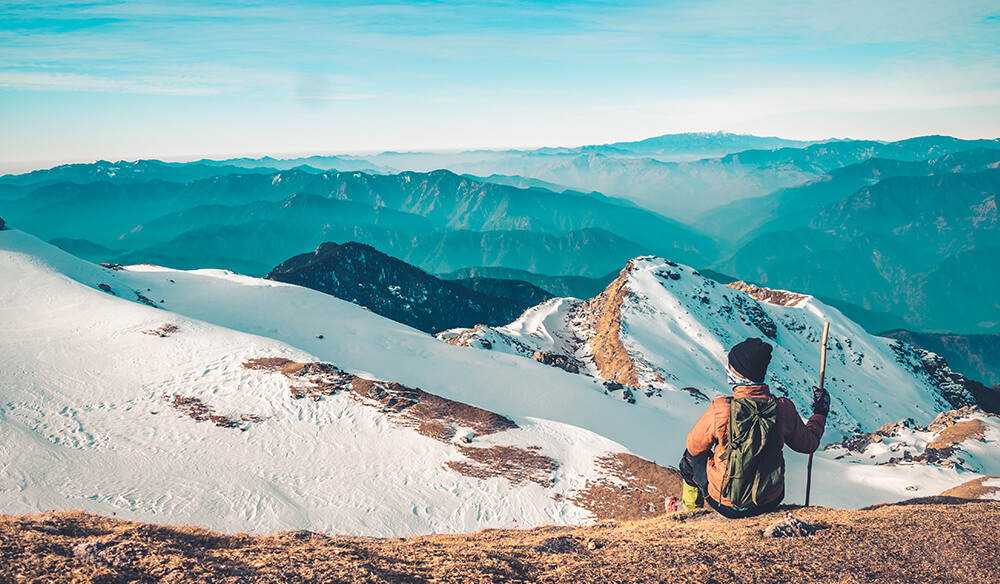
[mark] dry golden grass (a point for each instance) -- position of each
(959, 432)
(630, 488)
(604, 315)
(929, 541)
(973, 489)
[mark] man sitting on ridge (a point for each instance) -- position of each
(734, 452)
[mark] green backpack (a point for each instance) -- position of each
(755, 465)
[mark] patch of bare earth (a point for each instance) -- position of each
(929, 541)
(431, 415)
(959, 432)
(199, 411)
(603, 315)
(517, 465)
(761, 294)
(629, 488)
(974, 489)
(164, 330)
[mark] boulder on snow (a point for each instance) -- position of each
(556, 360)
(790, 527)
(2, 224)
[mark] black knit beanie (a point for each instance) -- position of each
(750, 359)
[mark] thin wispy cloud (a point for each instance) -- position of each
(388, 63)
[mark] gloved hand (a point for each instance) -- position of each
(821, 401)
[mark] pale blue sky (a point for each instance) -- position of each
(184, 79)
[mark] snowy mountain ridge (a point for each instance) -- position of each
(661, 332)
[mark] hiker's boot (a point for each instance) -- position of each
(691, 496)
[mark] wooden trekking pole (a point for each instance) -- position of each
(822, 372)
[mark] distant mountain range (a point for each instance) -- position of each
(438, 221)
(898, 234)
(910, 238)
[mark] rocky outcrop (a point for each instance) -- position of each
(939, 443)
(561, 361)
(975, 356)
(761, 294)
(604, 316)
(953, 387)
(2, 224)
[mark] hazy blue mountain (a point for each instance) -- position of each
(309, 213)
(10, 192)
(563, 286)
(222, 221)
(796, 206)
(123, 172)
(698, 145)
(392, 288)
(587, 252)
(254, 247)
(936, 216)
(451, 202)
(522, 182)
(102, 211)
(684, 190)
(319, 163)
(85, 249)
(920, 247)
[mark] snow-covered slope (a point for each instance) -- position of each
(108, 409)
(105, 408)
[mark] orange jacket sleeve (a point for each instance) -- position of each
(702, 437)
(801, 437)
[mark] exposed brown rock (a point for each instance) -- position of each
(199, 411)
(554, 360)
(945, 419)
(760, 294)
(603, 314)
(859, 443)
(464, 337)
(143, 299)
